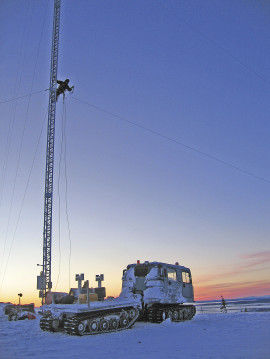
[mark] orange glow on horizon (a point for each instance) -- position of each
(232, 290)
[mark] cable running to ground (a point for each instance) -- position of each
(24, 127)
(59, 194)
(228, 164)
(66, 192)
(26, 117)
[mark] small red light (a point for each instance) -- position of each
(176, 263)
(138, 262)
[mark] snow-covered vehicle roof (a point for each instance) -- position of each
(176, 266)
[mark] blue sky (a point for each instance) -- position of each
(160, 87)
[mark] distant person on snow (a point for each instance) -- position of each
(223, 307)
(63, 86)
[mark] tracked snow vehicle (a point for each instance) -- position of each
(151, 291)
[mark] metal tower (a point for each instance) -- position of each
(48, 195)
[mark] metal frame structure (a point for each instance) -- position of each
(48, 195)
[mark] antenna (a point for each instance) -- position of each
(48, 195)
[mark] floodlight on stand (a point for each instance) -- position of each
(99, 279)
(79, 278)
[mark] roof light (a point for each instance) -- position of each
(138, 261)
(176, 263)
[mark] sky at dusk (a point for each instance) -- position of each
(162, 152)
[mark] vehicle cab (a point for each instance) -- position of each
(159, 282)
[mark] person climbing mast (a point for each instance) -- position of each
(63, 86)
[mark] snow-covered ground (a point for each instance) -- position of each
(231, 335)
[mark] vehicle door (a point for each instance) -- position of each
(187, 290)
(173, 288)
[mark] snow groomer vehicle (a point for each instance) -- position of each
(151, 292)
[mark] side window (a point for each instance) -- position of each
(186, 277)
(171, 274)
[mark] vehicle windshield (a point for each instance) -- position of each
(141, 270)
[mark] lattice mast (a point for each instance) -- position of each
(48, 195)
